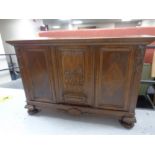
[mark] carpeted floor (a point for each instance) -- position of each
(15, 120)
(15, 84)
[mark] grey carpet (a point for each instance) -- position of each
(15, 84)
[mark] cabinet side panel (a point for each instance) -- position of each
(139, 52)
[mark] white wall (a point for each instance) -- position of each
(66, 26)
(148, 22)
(125, 24)
(106, 25)
(18, 29)
(4, 75)
(11, 29)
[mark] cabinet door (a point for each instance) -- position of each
(37, 73)
(113, 77)
(75, 75)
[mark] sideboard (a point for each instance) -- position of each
(83, 75)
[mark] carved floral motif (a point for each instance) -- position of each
(139, 58)
(73, 80)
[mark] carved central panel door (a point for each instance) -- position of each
(75, 75)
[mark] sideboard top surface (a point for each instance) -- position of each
(135, 40)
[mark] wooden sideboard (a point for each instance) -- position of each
(88, 75)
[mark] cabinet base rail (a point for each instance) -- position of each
(125, 118)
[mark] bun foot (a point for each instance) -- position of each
(127, 125)
(128, 122)
(31, 109)
(32, 112)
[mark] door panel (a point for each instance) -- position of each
(38, 75)
(113, 77)
(75, 75)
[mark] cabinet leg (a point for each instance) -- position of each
(31, 109)
(128, 121)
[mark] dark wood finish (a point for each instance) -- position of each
(36, 62)
(75, 70)
(113, 74)
(99, 75)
